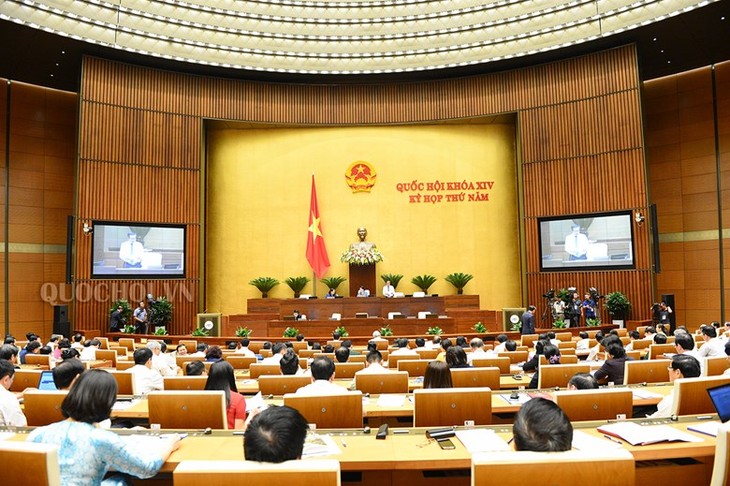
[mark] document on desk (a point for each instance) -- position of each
(587, 442)
(6, 435)
(123, 404)
(709, 428)
(645, 394)
(391, 400)
(319, 445)
(636, 434)
(481, 440)
(521, 399)
(256, 401)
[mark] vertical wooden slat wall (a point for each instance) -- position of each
(579, 133)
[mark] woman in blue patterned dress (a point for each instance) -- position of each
(86, 453)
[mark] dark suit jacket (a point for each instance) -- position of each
(528, 323)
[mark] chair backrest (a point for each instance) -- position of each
(127, 343)
(529, 340)
(256, 346)
(633, 355)
(107, 355)
(282, 384)
(564, 336)
(377, 383)
(298, 346)
(567, 345)
(124, 365)
(23, 379)
(721, 468)
(564, 359)
(120, 350)
(515, 356)
(646, 371)
(42, 360)
(320, 354)
(690, 394)
(25, 460)
(347, 370)
(124, 382)
(207, 365)
(43, 407)
(329, 411)
(188, 409)
(716, 366)
(501, 362)
(318, 472)
(428, 353)
(397, 358)
(241, 362)
(258, 369)
(190, 344)
(415, 367)
(184, 382)
(381, 345)
(595, 467)
(640, 344)
(559, 374)
(359, 358)
(603, 404)
(475, 378)
(306, 353)
(452, 406)
(658, 350)
(103, 342)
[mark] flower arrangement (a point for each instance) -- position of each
(243, 332)
(128, 329)
(593, 322)
(361, 256)
(386, 331)
(434, 331)
(160, 331)
(199, 332)
(290, 332)
(560, 324)
(342, 331)
(480, 328)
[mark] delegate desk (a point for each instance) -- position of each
(362, 327)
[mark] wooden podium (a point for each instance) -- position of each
(362, 275)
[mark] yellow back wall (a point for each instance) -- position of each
(257, 207)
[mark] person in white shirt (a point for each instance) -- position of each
(160, 361)
(130, 252)
(277, 350)
(323, 375)
(243, 348)
(633, 336)
(593, 354)
(374, 365)
(584, 343)
(713, 346)
(682, 366)
(78, 342)
(500, 346)
(289, 363)
(477, 351)
(685, 344)
(88, 352)
(388, 290)
(10, 412)
(363, 292)
(403, 349)
(145, 379)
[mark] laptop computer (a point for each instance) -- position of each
(46, 381)
(720, 396)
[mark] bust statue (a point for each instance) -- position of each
(362, 244)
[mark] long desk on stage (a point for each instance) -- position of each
(362, 326)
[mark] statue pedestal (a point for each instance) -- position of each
(362, 275)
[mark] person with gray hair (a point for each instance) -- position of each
(477, 350)
(159, 361)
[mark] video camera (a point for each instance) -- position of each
(550, 294)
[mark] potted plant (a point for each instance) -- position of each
(297, 284)
(386, 331)
(264, 285)
(459, 280)
(343, 332)
(243, 332)
(199, 332)
(480, 328)
(126, 311)
(618, 306)
(394, 278)
(290, 332)
(560, 324)
(423, 282)
(161, 313)
(434, 331)
(593, 322)
(332, 282)
(160, 331)
(128, 329)
(516, 326)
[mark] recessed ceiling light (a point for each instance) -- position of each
(654, 39)
(669, 62)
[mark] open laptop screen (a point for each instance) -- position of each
(46, 381)
(720, 396)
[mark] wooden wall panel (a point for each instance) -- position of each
(579, 116)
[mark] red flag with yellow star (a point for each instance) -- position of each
(316, 251)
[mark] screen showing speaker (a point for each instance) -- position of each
(587, 242)
(137, 250)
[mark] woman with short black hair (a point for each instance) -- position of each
(86, 453)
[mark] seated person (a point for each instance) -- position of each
(510, 345)
(10, 412)
(276, 434)
(593, 353)
(221, 377)
(633, 336)
(145, 379)
(213, 354)
(374, 364)
(65, 373)
(477, 350)
(582, 381)
(613, 368)
(420, 343)
(682, 366)
(323, 375)
(199, 351)
(437, 375)
(403, 349)
(277, 351)
(552, 355)
(363, 292)
(456, 357)
(500, 344)
(328, 348)
(289, 363)
(342, 354)
(243, 348)
(542, 426)
(331, 294)
(195, 368)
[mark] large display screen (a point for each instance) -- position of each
(586, 242)
(137, 250)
